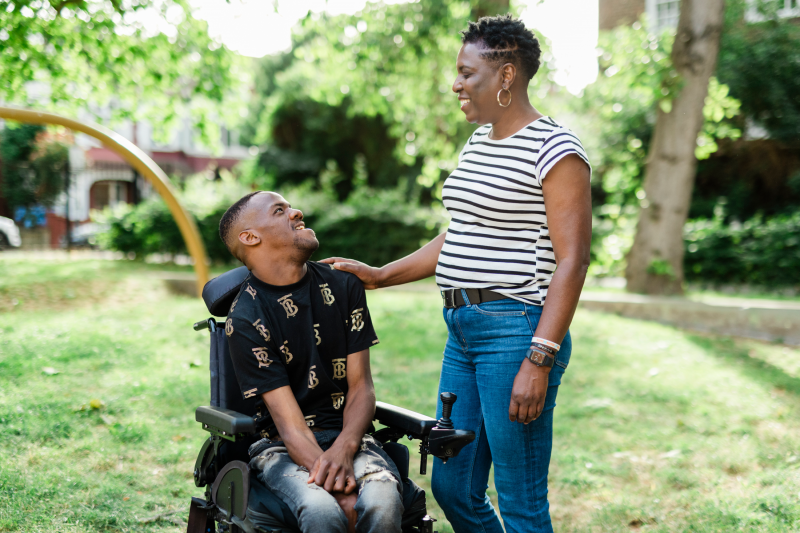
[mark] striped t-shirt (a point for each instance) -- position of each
(498, 237)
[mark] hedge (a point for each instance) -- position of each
(374, 227)
(760, 251)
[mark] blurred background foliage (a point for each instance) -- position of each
(33, 163)
(375, 226)
(114, 59)
(761, 251)
(358, 123)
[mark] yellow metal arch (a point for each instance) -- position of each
(139, 160)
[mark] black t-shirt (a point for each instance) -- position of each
(300, 335)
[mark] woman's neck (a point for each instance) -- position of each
(514, 119)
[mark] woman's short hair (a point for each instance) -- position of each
(506, 40)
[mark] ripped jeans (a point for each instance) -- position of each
(379, 504)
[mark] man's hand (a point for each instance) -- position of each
(369, 276)
(348, 504)
(528, 393)
(333, 470)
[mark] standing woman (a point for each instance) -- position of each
(520, 206)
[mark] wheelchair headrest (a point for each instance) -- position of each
(219, 293)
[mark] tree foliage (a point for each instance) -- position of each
(388, 70)
(760, 62)
(33, 166)
(130, 58)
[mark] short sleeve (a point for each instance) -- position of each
(560, 143)
(258, 367)
(359, 330)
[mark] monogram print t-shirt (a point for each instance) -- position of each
(300, 335)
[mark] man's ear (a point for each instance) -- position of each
(249, 237)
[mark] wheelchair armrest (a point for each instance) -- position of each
(409, 422)
(224, 421)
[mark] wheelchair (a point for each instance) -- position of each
(232, 490)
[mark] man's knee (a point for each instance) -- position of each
(319, 511)
(380, 504)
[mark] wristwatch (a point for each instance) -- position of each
(539, 358)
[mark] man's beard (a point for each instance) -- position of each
(305, 246)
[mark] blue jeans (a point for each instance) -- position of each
(379, 505)
(486, 345)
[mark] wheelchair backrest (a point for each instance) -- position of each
(218, 295)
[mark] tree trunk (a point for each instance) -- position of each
(655, 262)
(489, 8)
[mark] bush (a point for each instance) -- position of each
(149, 228)
(763, 252)
(374, 227)
(371, 226)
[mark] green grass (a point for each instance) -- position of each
(97, 395)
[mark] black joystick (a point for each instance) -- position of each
(443, 440)
(448, 399)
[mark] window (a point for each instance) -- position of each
(791, 8)
(662, 14)
(786, 9)
(108, 194)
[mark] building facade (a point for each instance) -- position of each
(99, 178)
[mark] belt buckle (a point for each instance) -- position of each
(448, 298)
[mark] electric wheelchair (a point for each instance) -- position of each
(231, 490)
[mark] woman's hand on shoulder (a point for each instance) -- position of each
(370, 276)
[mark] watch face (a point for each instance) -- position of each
(537, 358)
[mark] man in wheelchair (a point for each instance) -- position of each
(298, 340)
(299, 335)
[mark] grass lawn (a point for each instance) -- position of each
(656, 429)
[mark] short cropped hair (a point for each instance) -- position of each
(228, 220)
(507, 40)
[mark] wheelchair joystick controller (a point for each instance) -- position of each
(448, 399)
(444, 441)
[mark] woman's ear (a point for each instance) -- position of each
(509, 74)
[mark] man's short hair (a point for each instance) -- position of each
(229, 219)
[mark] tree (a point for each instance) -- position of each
(388, 67)
(655, 261)
(33, 166)
(115, 54)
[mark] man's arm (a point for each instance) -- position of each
(333, 470)
(288, 418)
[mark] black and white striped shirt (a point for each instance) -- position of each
(498, 237)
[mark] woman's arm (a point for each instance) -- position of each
(419, 265)
(568, 202)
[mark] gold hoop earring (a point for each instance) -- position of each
(509, 97)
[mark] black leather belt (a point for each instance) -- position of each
(453, 298)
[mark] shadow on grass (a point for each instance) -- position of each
(759, 370)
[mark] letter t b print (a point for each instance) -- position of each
(288, 305)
